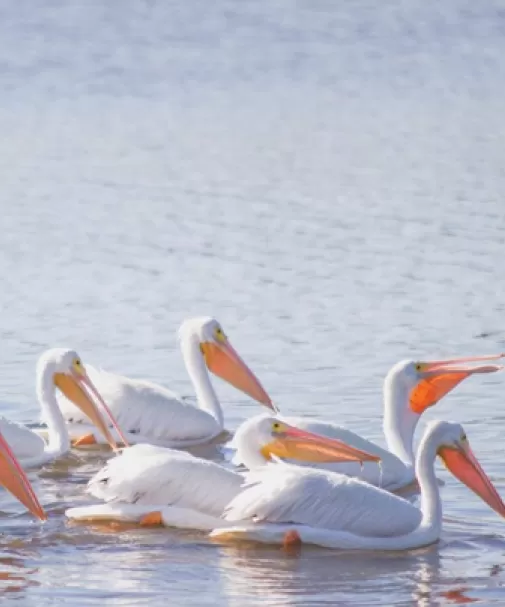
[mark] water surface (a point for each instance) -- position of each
(326, 180)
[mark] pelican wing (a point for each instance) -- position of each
(145, 474)
(24, 443)
(282, 493)
(147, 410)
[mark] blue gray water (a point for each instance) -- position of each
(327, 179)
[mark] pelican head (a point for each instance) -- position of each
(221, 358)
(63, 369)
(452, 446)
(265, 437)
(14, 479)
(427, 382)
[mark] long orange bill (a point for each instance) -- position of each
(465, 467)
(223, 361)
(14, 479)
(91, 387)
(293, 443)
(74, 388)
(440, 378)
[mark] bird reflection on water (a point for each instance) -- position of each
(15, 575)
(324, 576)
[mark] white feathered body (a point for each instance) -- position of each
(283, 493)
(28, 447)
(324, 508)
(188, 491)
(146, 412)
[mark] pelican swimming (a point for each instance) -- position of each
(156, 485)
(14, 479)
(62, 369)
(410, 388)
(150, 413)
(283, 503)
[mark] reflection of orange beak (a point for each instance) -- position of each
(439, 378)
(70, 385)
(464, 465)
(224, 362)
(293, 443)
(13, 478)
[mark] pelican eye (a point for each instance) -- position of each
(463, 437)
(419, 367)
(276, 426)
(78, 366)
(219, 333)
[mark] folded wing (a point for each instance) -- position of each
(282, 493)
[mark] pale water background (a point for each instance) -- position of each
(328, 180)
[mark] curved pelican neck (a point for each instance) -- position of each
(58, 437)
(431, 505)
(197, 371)
(400, 421)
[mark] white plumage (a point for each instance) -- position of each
(188, 492)
(27, 446)
(146, 412)
(62, 368)
(335, 511)
(150, 475)
(409, 389)
(185, 490)
(283, 493)
(150, 413)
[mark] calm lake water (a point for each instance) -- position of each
(328, 181)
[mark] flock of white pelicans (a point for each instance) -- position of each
(305, 480)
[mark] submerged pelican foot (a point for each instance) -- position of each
(85, 439)
(151, 519)
(292, 541)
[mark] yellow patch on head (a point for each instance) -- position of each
(219, 335)
(77, 366)
(278, 428)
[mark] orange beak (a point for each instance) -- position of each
(295, 444)
(465, 467)
(14, 479)
(75, 387)
(439, 377)
(223, 361)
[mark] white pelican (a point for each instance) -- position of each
(14, 479)
(156, 485)
(63, 369)
(409, 389)
(149, 413)
(288, 504)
